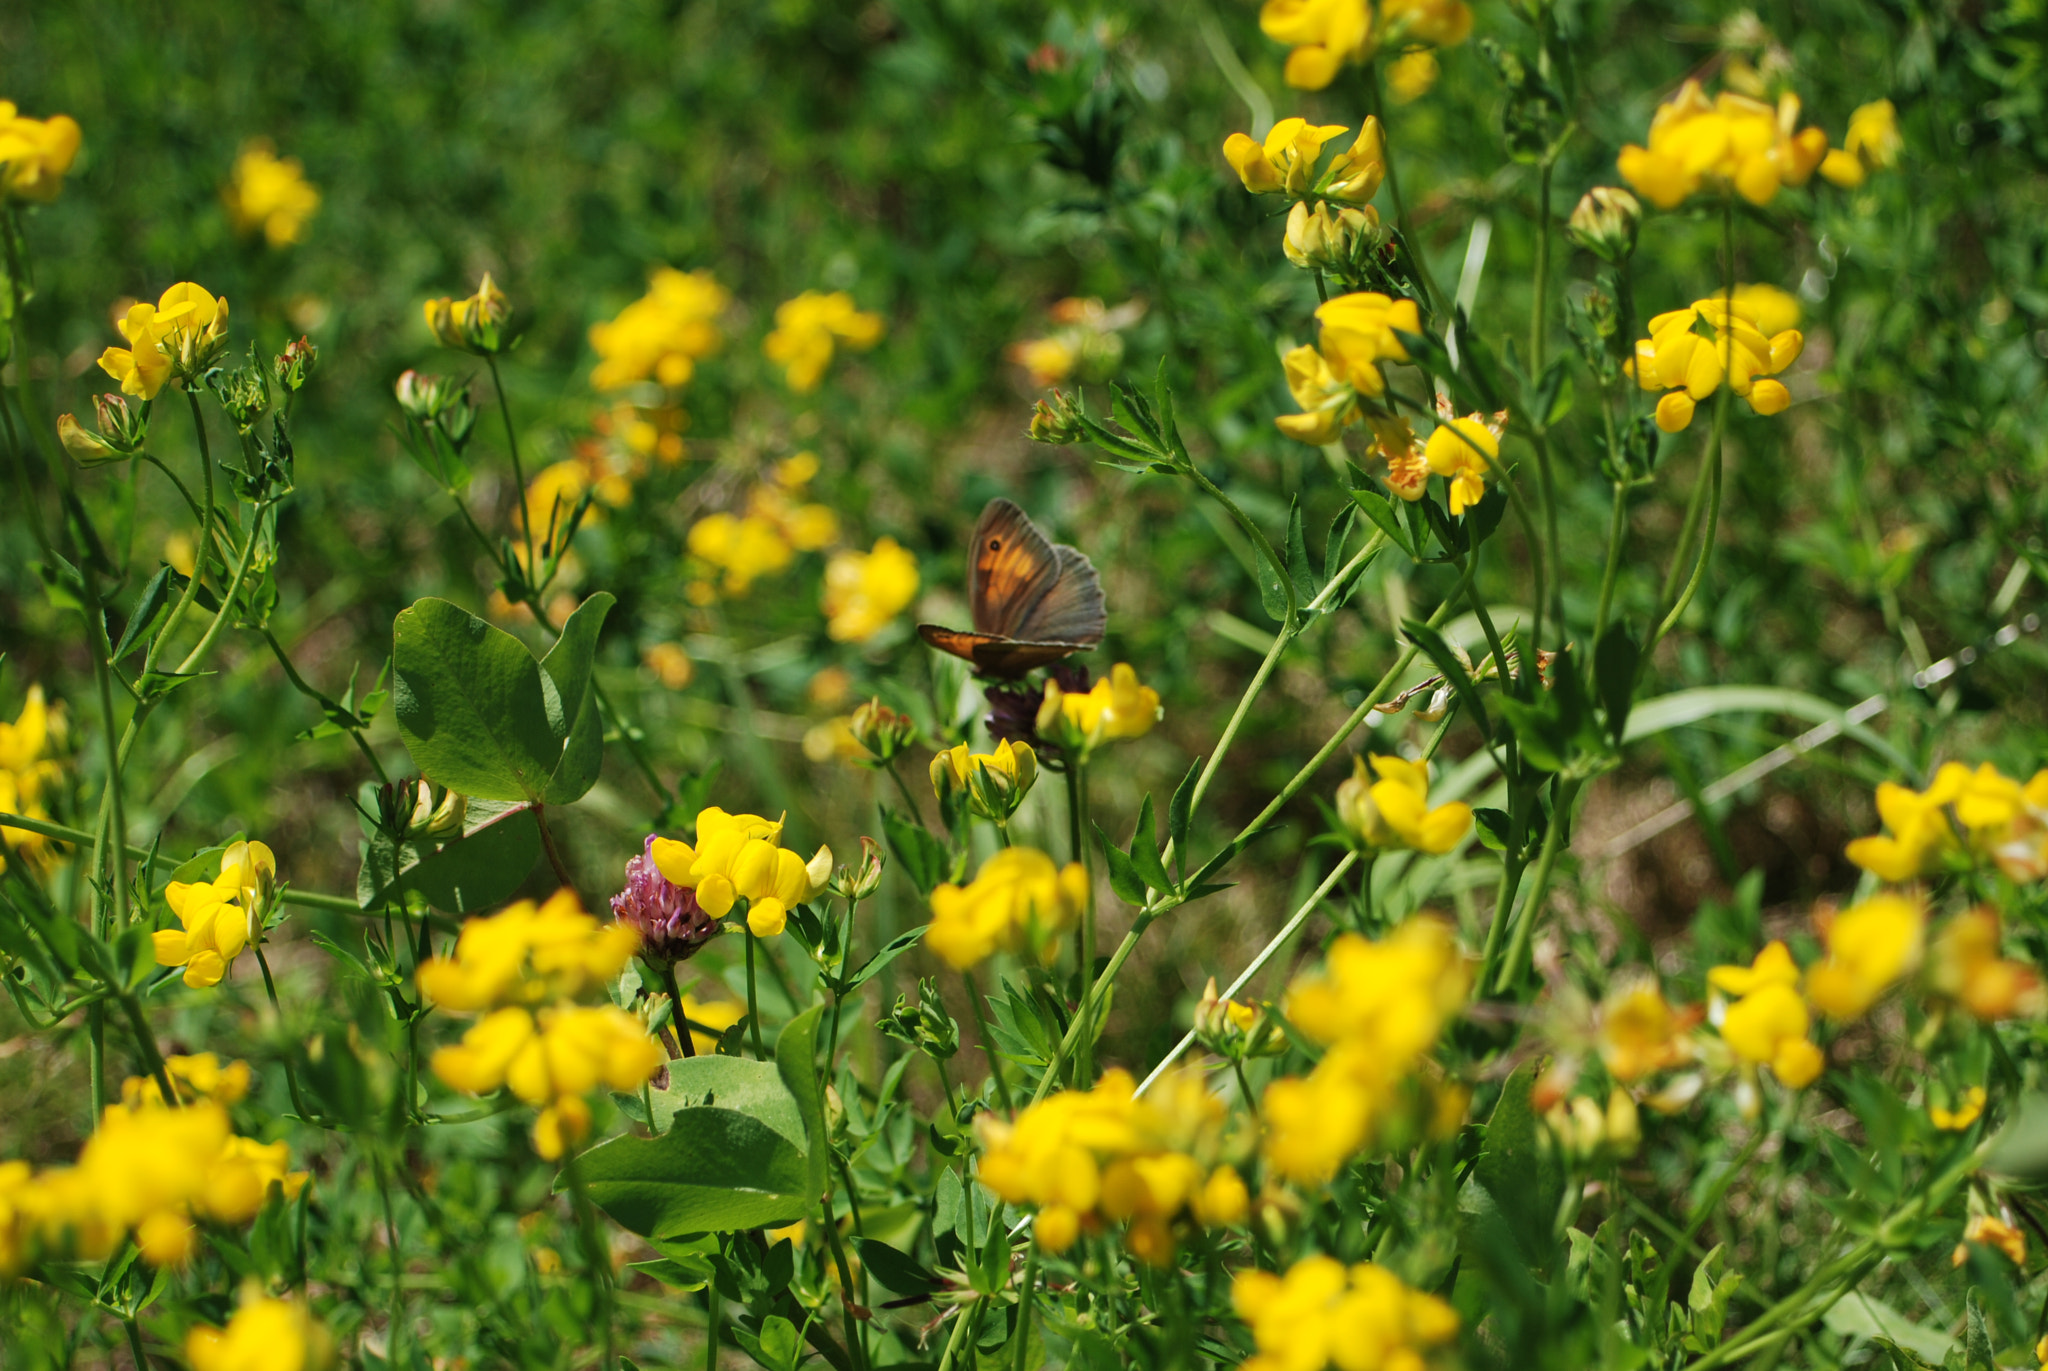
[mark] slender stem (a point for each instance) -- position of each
(1538, 332)
(596, 1253)
(145, 1042)
(684, 1039)
(988, 1041)
(96, 1065)
(1532, 907)
(710, 1326)
(227, 603)
(1077, 806)
(518, 473)
(291, 1075)
(135, 1345)
(547, 842)
(203, 550)
(753, 1002)
(1376, 105)
(903, 789)
(1026, 1297)
(856, 1342)
(395, 1322)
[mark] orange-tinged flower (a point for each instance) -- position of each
(1969, 967)
(1639, 1032)
(1993, 1233)
(1394, 812)
(1870, 947)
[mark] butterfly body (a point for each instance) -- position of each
(1033, 601)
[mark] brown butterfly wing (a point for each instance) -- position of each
(960, 644)
(1071, 612)
(1013, 567)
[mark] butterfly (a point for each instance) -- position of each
(1034, 601)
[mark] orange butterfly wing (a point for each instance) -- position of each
(1033, 602)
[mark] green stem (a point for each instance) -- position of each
(1026, 1298)
(135, 1345)
(596, 1254)
(518, 472)
(753, 1002)
(1077, 806)
(1617, 536)
(291, 1075)
(395, 1321)
(203, 549)
(903, 789)
(1538, 333)
(856, 1343)
(711, 1326)
(1375, 105)
(684, 1040)
(1532, 908)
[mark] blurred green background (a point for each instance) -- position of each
(959, 167)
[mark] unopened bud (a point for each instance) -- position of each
(1330, 239)
(1056, 421)
(86, 447)
(1605, 222)
(881, 730)
(863, 879)
(924, 1025)
(244, 393)
(294, 366)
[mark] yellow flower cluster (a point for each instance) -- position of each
(1286, 161)
(1691, 352)
(1998, 817)
(26, 769)
(152, 1172)
(1088, 1159)
(1394, 812)
(740, 857)
(1116, 706)
(476, 323)
(1327, 35)
(663, 334)
(1378, 1007)
(1329, 382)
(35, 153)
(766, 539)
(807, 330)
(545, 955)
(218, 917)
(994, 783)
(1087, 338)
(1969, 967)
(1362, 1318)
(180, 336)
(1873, 144)
(865, 590)
(269, 194)
(1019, 902)
(1731, 140)
(265, 1334)
(198, 1077)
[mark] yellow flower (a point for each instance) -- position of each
(1328, 34)
(1920, 835)
(25, 770)
(865, 590)
(1870, 946)
(1464, 451)
(269, 194)
(1394, 810)
(475, 323)
(552, 1060)
(181, 335)
(807, 329)
(994, 783)
(1359, 333)
(1327, 239)
(526, 953)
(1640, 1033)
(663, 334)
(1970, 968)
(1768, 1027)
(1772, 310)
(219, 917)
(1019, 902)
(1992, 1233)
(1732, 140)
(1285, 161)
(264, 1335)
(1411, 75)
(1380, 1007)
(1967, 1111)
(739, 856)
(1116, 706)
(746, 549)
(1049, 360)
(200, 1077)
(670, 663)
(1328, 404)
(1689, 367)
(1320, 1314)
(1089, 1158)
(1773, 966)
(1872, 144)
(35, 154)
(2005, 819)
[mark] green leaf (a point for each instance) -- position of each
(146, 609)
(1683, 707)
(903, 1274)
(1433, 645)
(1382, 514)
(1272, 589)
(1298, 569)
(1535, 726)
(1525, 1178)
(796, 1061)
(1178, 811)
(1614, 676)
(889, 952)
(1859, 1315)
(482, 716)
(498, 846)
(1333, 543)
(1123, 873)
(1145, 850)
(922, 856)
(1976, 1336)
(740, 1084)
(2021, 1150)
(713, 1171)
(1494, 827)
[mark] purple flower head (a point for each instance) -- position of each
(672, 926)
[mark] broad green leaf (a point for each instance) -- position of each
(499, 844)
(1859, 1315)
(736, 1083)
(1377, 509)
(1523, 1176)
(482, 716)
(922, 856)
(713, 1171)
(1123, 874)
(1683, 707)
(1144, 850)
(796, 1061)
